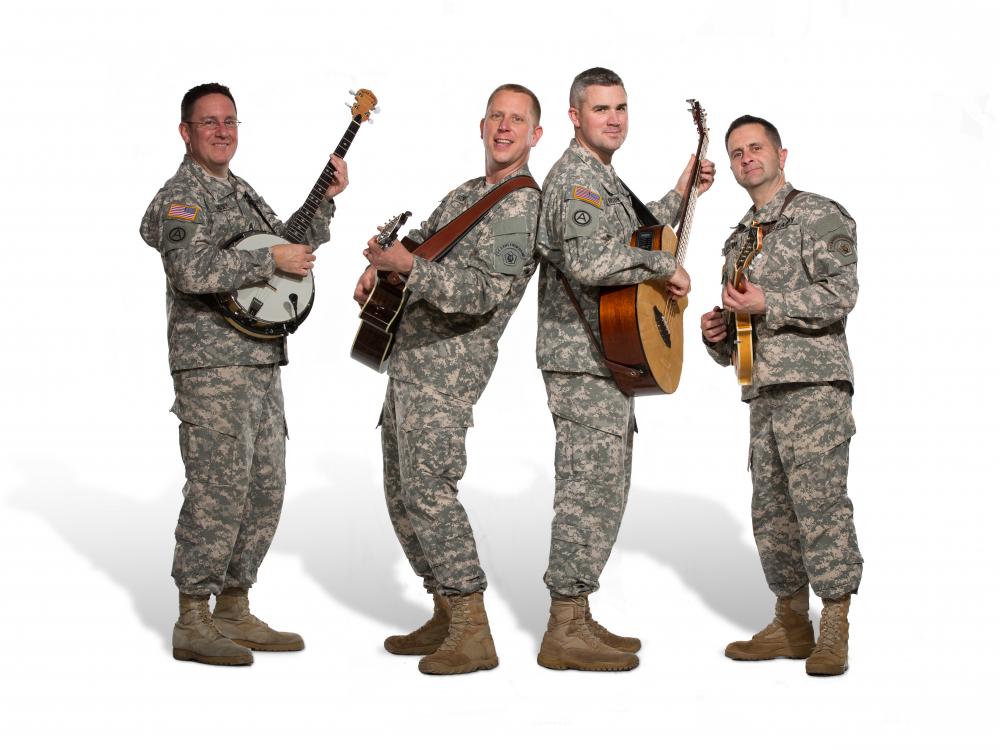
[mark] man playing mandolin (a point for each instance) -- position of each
(445, 350)
(796, 254)
(227, 384)
(587, 221)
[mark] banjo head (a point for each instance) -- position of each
(268, 305)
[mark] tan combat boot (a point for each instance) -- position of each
(830, 655)
(197, 639)
(428, 637)
(569, 643)
(469, 644)
(605, 636)
(233, 619)
(789, 635)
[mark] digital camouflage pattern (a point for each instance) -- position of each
(232, 439)
(800, 401)
(460, 305)
(423, 456)
(803, 520)
(587, 221)
(192, 216)
(227, 384)
(444, 354)
(594, 424)
(808, 271)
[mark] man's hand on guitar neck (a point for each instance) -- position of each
(393, 258)
(296, 260)
(706, 176)
(750, 300)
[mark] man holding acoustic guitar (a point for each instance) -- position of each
(789, 281)
(460, 298)
(587, 221)
(227, 383)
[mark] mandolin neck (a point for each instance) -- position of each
(298, 225)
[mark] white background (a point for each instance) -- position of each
(891, 110)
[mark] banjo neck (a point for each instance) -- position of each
(298, 225)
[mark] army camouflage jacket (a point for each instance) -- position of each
(587, 221)
(808, 271)
(192, 216)
(460, 305)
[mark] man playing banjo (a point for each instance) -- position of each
(227, 384)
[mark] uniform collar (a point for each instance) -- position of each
(478, 187)
(218, 187)
(770, 211)
(609, 178)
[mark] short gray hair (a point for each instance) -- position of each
(592, 77)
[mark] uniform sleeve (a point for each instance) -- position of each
(829, 257)
(581, 238)
(501, 252)
(180, 229)
(319, 226)
(667, 209)
(429, 226)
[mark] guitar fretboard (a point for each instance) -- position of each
(298, 225)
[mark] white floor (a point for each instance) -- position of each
(893, 114)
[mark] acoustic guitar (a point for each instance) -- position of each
(642, 327)
(277, 306)
(380, 315)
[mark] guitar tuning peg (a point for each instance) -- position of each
(352, 92)
(377, 110)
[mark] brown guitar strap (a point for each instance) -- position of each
(767, 226)
(441, 242)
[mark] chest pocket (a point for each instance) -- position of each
(511, 251)
(624, 221)
(780, 262)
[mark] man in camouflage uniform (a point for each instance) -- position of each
(799, 290)
(227, 384)
(445, 351)
(587, 221)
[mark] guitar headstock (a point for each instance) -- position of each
(699, 115)
(364, 104)
(389, 230)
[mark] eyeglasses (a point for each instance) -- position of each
(210, 123)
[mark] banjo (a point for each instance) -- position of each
(277, 306)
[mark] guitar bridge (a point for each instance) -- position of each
(661, 326)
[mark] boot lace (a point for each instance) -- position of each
(459, 622)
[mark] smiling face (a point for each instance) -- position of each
(757, 163)
(600, 120)
(212, 147)
(508, 131)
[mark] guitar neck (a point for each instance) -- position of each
(687, 216)
(298, 225)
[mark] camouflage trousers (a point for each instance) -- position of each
(803, 520)
(423, 458)
(232, 436)
(594, 425)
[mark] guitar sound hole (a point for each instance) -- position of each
(661, 326)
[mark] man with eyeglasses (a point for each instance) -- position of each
(227, 384)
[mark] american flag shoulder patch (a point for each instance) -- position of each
(586, 195)
(183, 211)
